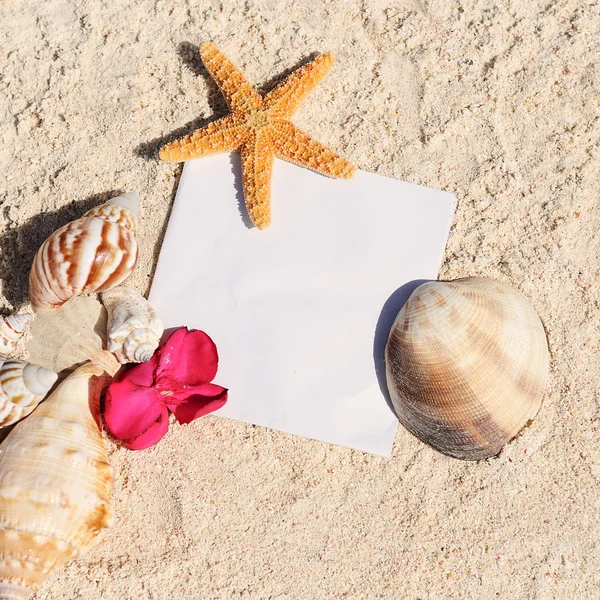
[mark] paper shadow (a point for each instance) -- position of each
(20, 244)
(390, 310)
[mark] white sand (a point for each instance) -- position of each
(498, 102)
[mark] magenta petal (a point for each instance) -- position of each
(129, 409)
(205, 399)
(188, 357)
(142, 374)
(153, 434)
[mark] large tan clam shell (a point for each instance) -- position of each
(70, 335)
(466, 365)
(55, 483)
(91, 254)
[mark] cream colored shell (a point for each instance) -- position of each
(91, 254)
(70, 335)
(55, 483)
(12, 328)
(466, 365)
(22, 387)
(134, 329)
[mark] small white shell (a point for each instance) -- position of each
(12, 328)
(91, 254)
(22, 388)
(134, 329)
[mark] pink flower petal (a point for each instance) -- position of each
(143, 373)
(188, 357)
(153, 434)
(205, 399)
(130, 409)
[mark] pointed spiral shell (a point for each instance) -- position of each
(22, 387)
(55, 483)
(134, 329)
(91, 254)
(12, 328)
(466, 365)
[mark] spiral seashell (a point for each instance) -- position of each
(466, 365)
(70, 335)
(22, 388)
(134, 329)
(55, 483)
(91, 254)
(12, 328)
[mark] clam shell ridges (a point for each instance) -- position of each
(91, 254)
(467, 365)
(55, 483)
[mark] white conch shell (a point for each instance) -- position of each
(134, 329)
(22, 387)
(91, 254)
(70, 335)
(55, 483)
(467, 365)
(12, 328)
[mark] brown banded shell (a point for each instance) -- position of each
(22, 387)
(466, 365)
(55, 483)
(12, 328)
(91, 254)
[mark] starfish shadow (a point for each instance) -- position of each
(388, 314)
(272, 83)
(20, 244)
(236, 169)
(190, 56)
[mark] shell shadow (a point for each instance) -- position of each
(20, 244)
(388, 315)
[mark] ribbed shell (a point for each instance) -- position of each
(70, 335)
(22, 387)
(12, 328)
(91, 254)
(134, 329)
(466, 365)
(55, 483)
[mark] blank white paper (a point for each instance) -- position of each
(300, 312)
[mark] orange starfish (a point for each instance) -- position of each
(259, 128)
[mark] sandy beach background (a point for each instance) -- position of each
(496, 101)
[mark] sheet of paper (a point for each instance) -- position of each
(300, 312)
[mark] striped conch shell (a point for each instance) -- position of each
(91, 254)
(55, 483)
(466, 365)
(12, 328)
(22, 387)
(134, 329)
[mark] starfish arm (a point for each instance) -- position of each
(295, 146)
(290, 93)
(220, 136)
(233, 85)
(257, 167)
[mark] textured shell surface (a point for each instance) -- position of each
(12, 328)
(65, 338)
(134, 329)
(55, 483)
(466, 365)
(22, 387)
(91, 254)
